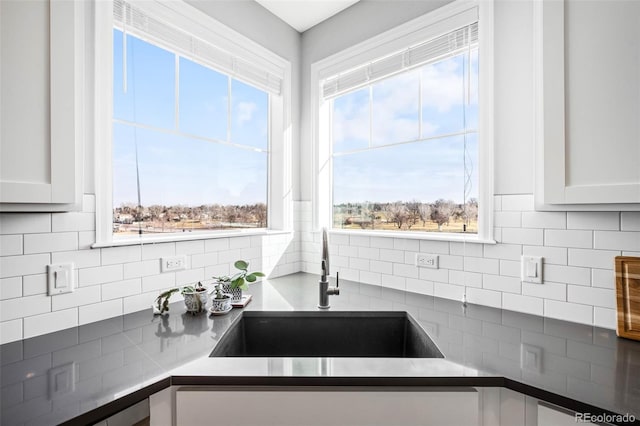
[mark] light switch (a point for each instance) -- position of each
(531, 269)
(60, 278)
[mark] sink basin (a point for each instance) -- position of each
(326, 334)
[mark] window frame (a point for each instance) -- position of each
(411, 33)
(279, 200)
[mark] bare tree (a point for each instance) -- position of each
(441, 212)
(260, 213)
(425, 213)
(413, 212)
(396, 213)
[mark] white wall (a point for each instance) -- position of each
(117, 280)
(578, 247)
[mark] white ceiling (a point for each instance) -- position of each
(304, 14)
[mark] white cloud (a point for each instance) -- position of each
(244, 112)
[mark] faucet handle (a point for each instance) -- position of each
(337, 279)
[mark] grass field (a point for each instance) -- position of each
(455, 226)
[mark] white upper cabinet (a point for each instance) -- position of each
(40, 130)
(588, 105)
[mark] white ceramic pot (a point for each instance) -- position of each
(196, 301)
(220, 305)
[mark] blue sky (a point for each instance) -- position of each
(177, 168)
(389, 113)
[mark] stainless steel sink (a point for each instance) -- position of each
(326, 334)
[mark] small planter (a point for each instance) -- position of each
(236, 293)
(221, 304)
(196, 301)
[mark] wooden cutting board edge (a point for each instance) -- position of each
(621, 299)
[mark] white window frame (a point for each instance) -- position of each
(413, 32)
(279, 199)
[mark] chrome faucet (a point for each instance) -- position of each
(325, 290)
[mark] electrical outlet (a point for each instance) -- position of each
(427, 260)
(173, 263)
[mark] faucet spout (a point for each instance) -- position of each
(324, 290)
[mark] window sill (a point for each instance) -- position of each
(427, 236)
(135, 240)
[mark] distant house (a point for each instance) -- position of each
(124, 218)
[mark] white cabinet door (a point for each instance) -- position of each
(40, 68)
(588, 104)
(331, 407)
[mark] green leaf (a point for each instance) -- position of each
(241, 264)
(258, 274)
(250, 278)
(244, 287)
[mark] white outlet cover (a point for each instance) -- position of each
(173, 263)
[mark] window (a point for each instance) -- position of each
(402, 145)
(195, 119)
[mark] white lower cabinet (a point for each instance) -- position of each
(281, 407)
(333, 406)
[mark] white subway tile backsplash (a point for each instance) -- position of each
(124, 254)
(20, 223)
(204, 259)
(630, 221)
(484, 297)
(614, 240)
(552, 255)
(80, 258)
(448, 291)
(508, 219)
(99, 311)
(408, 271)
(568, 238)
(239, 242)
(73, 221)
(603, 278)
(359, 264)
(56, 241)
(567, 274)
(141, 269)
(24, 307)
(439, 275)
(547, 220)
(603, 317)
(13, 266)
(34, 284)
(217, 244)
(603, 297)
(594, 220)
(380, 266)
(348, 251)
(190, 247)
(396, 256)
(10, 245)
(359, 241)
(469, 279)
(497, 203)
(100, 275)
(548, 290)
(369, 253)
(503, 251)
(500, 283)
(419, 286)
(526, 236)
(370, 277)
(466, 249)
(510, 268)
(157, 250)
(120, 289)
(568, 311)
(520, 303)
(86, 239)
(343, 239)
(10, 331)
(138, 302)
(434, 247)
(80, 296)
(519, 202)
(485, 266)
(377, 242)
(601, 259)
(47, 323)
(10, 288)
(189, 277)
(406, 244)
(158, 282)
(451, 262)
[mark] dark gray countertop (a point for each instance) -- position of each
(88, 372)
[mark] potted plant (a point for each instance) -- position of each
(221, 301)
(195, 299)
(236, 283)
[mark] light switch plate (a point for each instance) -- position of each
(62, 380)
(60, 278)
(531, 358)
(531, 269)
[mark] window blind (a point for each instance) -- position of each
(438, 48)
(141, 21)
